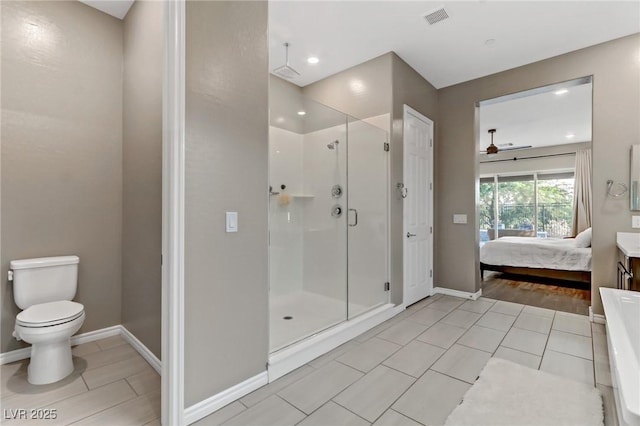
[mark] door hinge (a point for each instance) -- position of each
(385, 146)
(387, 286)
(431, 143)
(431, 186)
(430, 273)
(431, 229)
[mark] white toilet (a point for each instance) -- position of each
(43, 288)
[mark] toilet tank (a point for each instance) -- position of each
(44, 279)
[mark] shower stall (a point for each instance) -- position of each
(328, 227)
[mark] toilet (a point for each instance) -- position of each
(44, 289)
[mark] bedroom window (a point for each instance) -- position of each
(555, 204)
(529, 205)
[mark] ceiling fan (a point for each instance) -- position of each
(494, 149)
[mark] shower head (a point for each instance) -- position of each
(333, 145)
(285, 71)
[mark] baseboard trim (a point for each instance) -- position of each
(78, 339)
(91, 336)
(15, 355)
(203, 408)
(597, 318)
(290, 358)
(149, 356)
(458, 293)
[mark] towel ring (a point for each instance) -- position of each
(623, 189)
(402, 189)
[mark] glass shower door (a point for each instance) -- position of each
(307, 220)
(367, 176)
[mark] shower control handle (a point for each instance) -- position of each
(356, 217)
(409, 235)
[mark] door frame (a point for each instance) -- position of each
(173, 214)
(406, 111)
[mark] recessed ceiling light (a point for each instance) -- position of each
(357, 86)
(561, 92)
(490, 42)
(302, 112)
(570, 136)
(313, 60)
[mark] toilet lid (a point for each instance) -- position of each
(45, 314)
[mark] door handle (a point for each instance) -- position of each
(409, 235)
(356, 217)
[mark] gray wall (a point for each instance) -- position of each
(369, 97)
(62, 149)
(142, 173)
(412, 89)
(285, 99)
(616, 108)
(226, 274)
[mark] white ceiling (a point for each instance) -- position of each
(542, 119)
(117, 8)
(346, 33)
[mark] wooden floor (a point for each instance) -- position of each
(557, 297)
(111, 385)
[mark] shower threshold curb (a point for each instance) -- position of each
(288, 359)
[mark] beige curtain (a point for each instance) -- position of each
(582, 192)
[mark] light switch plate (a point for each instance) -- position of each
(460, 218)
(635, 221)
(232, 222)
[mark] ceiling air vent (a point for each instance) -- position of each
(436, 16)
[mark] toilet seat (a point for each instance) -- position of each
(50, 314)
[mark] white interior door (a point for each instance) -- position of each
(417, 206)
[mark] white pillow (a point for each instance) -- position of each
(583, 239)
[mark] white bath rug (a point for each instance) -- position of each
(510, 394)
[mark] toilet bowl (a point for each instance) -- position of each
(49, 327)
(44, 288)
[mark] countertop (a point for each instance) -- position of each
(629, 243)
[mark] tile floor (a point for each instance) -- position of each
(410, 370)
(415, 368)
(111, 385)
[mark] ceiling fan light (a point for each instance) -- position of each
(492, 149)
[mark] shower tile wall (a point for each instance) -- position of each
(308, 246)
(325, 237)
(286, 220)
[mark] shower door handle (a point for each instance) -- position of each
(356, 217)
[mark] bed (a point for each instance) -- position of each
(562, 259)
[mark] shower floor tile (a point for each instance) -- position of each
(308, 313)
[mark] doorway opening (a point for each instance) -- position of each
(533, 203)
